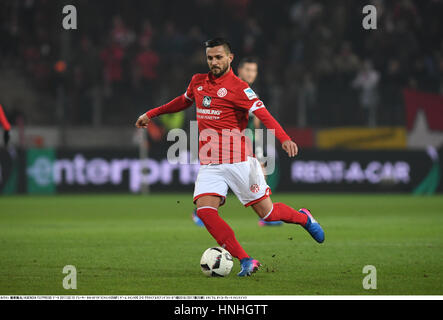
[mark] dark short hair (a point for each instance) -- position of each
(219, 42)
(247, 60)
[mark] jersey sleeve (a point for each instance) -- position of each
(269, 121)
(180, 103)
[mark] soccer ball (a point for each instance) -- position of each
(216, 262)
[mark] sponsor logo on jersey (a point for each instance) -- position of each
(207, 101)
(250, 93)
(222, 92)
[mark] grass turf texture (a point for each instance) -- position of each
(148, 245)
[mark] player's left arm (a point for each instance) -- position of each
(257, 123)
(5, 124)
(247, 99)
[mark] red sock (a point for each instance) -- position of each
(221, 231)
(282, 212)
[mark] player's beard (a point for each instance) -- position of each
(220, 72)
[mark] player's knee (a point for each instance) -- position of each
(263, 207)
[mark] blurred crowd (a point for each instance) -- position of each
(318, 66)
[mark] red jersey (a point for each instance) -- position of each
(222, 107)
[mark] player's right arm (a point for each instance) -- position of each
(178, 104)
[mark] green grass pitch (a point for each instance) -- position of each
(148, 245)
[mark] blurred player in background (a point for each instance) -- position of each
(223, 102)
(6, 126)
(248, 71)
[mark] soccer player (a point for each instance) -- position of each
(6, 126)
(223, 102)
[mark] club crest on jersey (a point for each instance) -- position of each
(222, 92)
(207, 101)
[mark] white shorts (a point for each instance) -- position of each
(245, 179)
